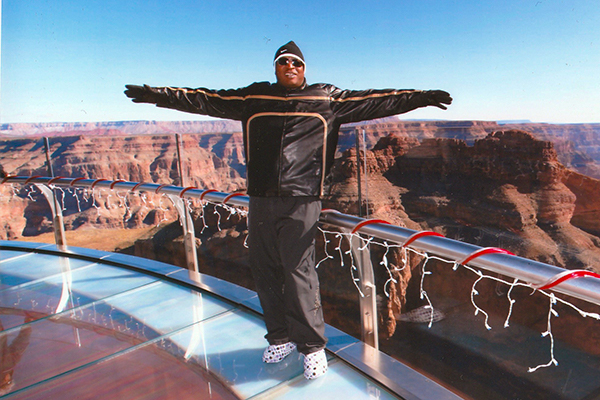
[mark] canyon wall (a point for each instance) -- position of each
(506, 190)
(503, 188)
(117, 127)
(533, 193)
(577, 145)
(209, 161)
(506, 186)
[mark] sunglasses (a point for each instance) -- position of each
(285, 60)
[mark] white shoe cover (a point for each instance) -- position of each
(315, 364)
(277, 352)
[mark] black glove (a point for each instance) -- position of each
(142, 94)
(438, 98)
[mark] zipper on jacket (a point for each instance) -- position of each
(279, 168)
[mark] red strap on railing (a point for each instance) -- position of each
(51, 181)
(137, 185)
(206, 192)
(160, 187)
(484, 251)
(7, 178)
(97, 181)
(186, 189)
(368, 222)
(112, 185)
(75, 180)
(31, 178)
(565, 276)
(419, 235)
(226, 199)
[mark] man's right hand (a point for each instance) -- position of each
(142, 94)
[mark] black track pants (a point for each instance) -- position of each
(282, 258)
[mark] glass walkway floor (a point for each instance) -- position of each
(85, 324)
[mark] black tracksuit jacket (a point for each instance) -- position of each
(290, 136)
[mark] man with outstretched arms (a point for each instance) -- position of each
(290, 137)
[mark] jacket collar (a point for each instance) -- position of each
(294, 90)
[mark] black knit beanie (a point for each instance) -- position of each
(287, 50)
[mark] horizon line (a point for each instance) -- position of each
(499, 122)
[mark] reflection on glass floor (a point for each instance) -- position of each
(87, 326)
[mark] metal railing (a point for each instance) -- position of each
(533, 272)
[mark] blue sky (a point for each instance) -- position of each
(68, 60)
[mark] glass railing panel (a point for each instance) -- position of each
(499, 362)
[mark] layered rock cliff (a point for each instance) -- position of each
(209, 161)
(506, 189)
(507, 186)
(484, 184)
(117, 128)
(577, 145)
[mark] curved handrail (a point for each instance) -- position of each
(536, 273)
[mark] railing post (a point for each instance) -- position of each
(358, 178)
(178, 142)
(368, 295)
(57, 217)
(364, 142)
(189, 235)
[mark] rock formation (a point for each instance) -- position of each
(117, 128)
(507, 190)
(503, 188)
(577, 145)
(482, 183)
(137, 158)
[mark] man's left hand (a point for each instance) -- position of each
(438, 98)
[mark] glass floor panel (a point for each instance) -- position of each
(7, 254)
(238, 360)
(76, 329)
(146, 372)
(236, 357)
(340, 382)
(71, 288)
(165, 307)
(18, 270)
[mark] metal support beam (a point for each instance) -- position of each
(364, 143)
(358, 178)
(368, 295)
(189, 234)
(57, 217)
